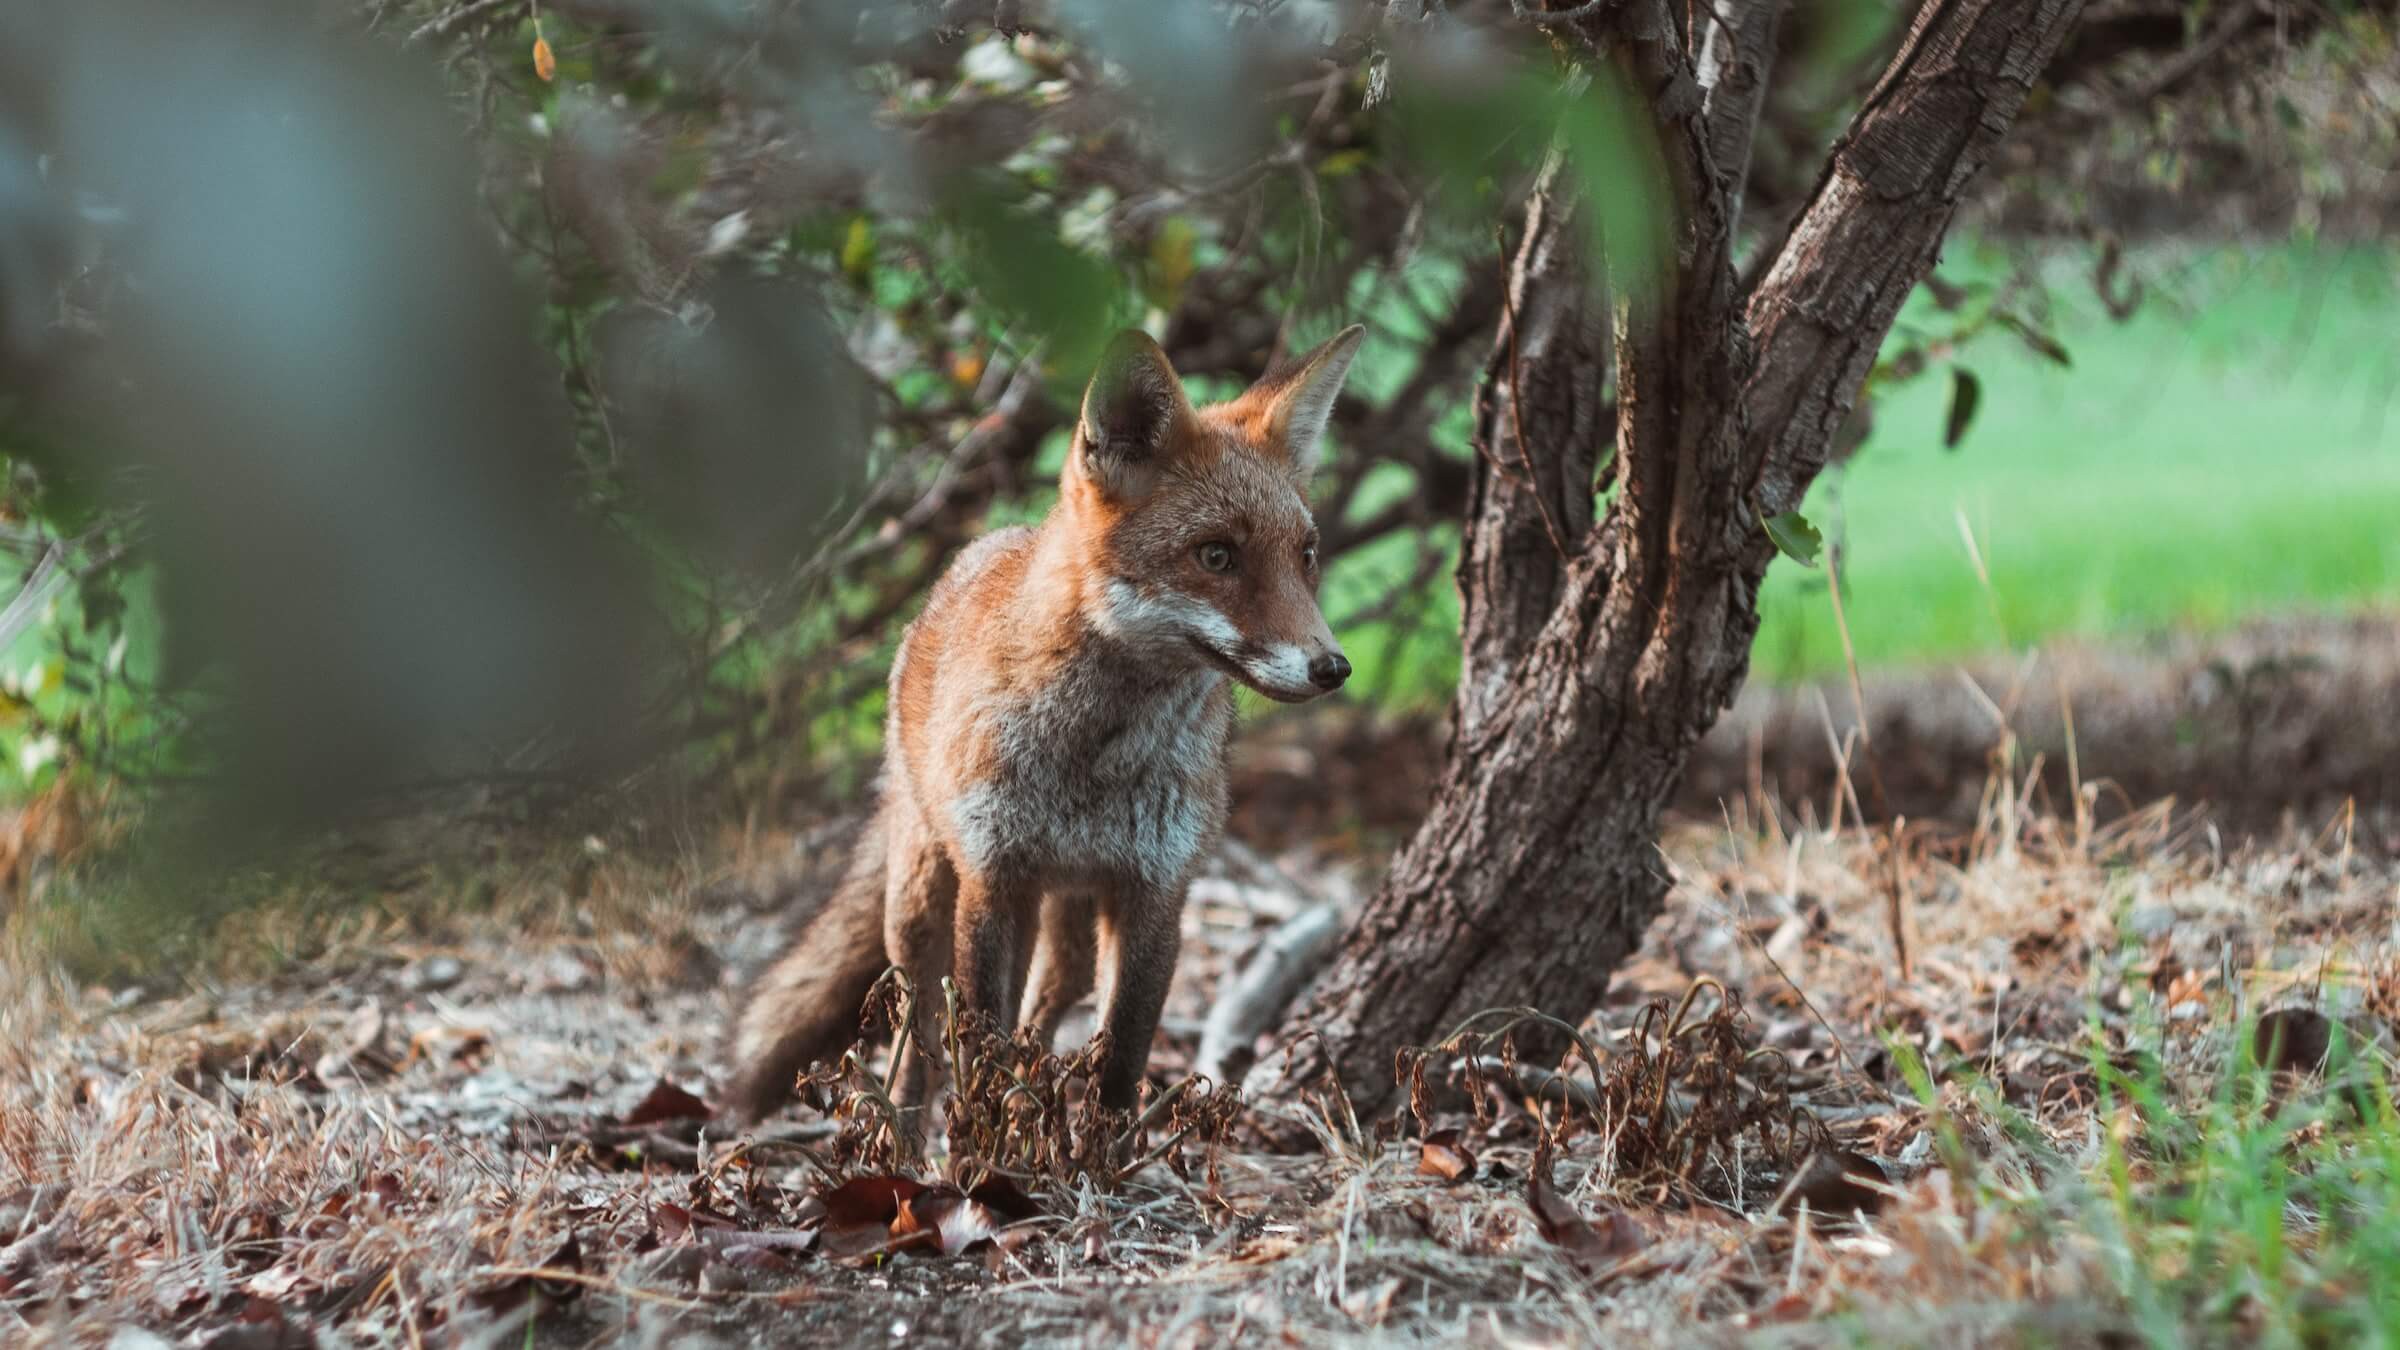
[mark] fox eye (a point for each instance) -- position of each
(1308, 557)
(1217, 557)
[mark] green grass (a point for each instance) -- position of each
(2267, 1214)
(2218, 1203)
(2234, 455)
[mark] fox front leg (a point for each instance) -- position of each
(996, 918)
(1139, 937)
(1061, 969)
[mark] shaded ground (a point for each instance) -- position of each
(1857, 1085)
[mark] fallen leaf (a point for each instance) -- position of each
(1004, 1244)
(915, 1228)
(680, 1266)
(2190, 988)
(387, 1190)
(2292, 1040)
(869, 1199)
(466, 1042)
(2164, 975)
(358, 1051)
(362, 1031)
(854, 1242)
(568, 1258)
(1592, 1244)
(1789, 1308)
(1005, 1197)
(275, 1283)
(869, 1217)
(27, 1208)
(963, 1221)
(511, 1293)
(1836, 1183)
(774, 1249)
(675, 1222)
(1445, 1156)
(667, 1102)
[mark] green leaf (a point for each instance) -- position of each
(1171, 262)
(1611, 143)
(1341, 163)
(1037, 283)
(1795, 538)
(858, 249)
(1966, 394)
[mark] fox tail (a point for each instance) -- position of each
(806, 1006)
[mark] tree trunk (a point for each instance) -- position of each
(1596, 653)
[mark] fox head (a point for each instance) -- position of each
(1197, 531)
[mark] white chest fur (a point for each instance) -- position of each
(1107, 776)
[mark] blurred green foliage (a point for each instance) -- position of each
(2231, 450)
(815, 288)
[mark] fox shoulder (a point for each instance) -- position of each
(977, 558)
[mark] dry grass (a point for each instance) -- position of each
(1915, 1085)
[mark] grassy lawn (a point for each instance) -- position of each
(2231, 450)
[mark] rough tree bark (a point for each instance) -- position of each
(1598, 651)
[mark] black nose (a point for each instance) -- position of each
(1328, 671)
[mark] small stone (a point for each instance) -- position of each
(434, 973)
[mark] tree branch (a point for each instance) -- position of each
(1732, 67)
(1871, 228)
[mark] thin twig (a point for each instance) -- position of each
(442, 26)
(1549, 17)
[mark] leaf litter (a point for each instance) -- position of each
(1766, 1122)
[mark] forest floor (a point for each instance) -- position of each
(2028, 1070)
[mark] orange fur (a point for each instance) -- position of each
(1054, 761)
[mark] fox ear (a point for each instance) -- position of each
(1300, 402)
(1132, 406)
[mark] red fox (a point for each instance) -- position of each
(1054, 753)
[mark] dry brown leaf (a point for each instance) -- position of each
(869, 1199)
(1835, 1183)
(512, 1292)
(666, 1102)
(1593, 1244)
(915, 1228)
(545, 62)
(2292, 1040)
(386, 1189)
(568, 1259)
(261, 1325)
(674, 1222)
(1005, 1197)
(2189, 987)
(775, 1250)
(1446, 1156)
(464, 1043)
(855, 1242)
